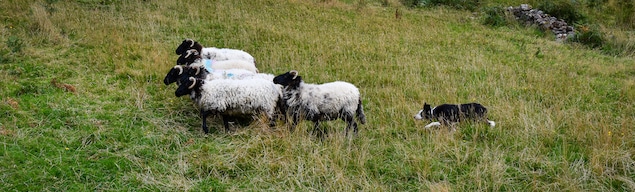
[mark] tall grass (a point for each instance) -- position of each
(563, 113)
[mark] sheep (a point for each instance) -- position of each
(321, 102)
(188, 44)
(212, 53)
(233, 97)
(199, 71)
(193, 57)
(176, 72)
(238, 74)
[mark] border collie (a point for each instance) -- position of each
(449, 114)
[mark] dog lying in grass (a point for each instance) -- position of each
(450, 114)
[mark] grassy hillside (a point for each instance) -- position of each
(83, 106)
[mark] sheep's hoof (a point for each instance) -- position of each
(205, 130)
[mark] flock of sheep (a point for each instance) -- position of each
(226, 82)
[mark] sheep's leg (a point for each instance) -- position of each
(317, 131)
(325, 131)
(296, 117)
(204, 115)
(316, 125)
(350, 123)
(354, 125)
(281, 105)
(226, 123)
(272, 120)
(355, 128)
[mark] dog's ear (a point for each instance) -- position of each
(426, 107)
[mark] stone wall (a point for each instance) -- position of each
(524, 13)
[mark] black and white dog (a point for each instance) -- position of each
(448, 114)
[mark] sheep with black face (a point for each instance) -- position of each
(188, 44)
(177, 71)
(232, 98)
(321, 102)
(201, 72)
(211, 53)
(193, 57)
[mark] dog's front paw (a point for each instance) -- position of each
(432, 124)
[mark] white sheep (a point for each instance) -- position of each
(193, 57)
(212, 53)
(199, 71)
(233, 97)
(323, 102)
(232, 74)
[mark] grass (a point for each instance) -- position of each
(83, 106)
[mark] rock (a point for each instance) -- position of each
(525, 14)
(525, 7)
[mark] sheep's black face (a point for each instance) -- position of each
(188, 57)
(182, 60)
(282, 79)
(185, 45)
(194, 71)
(180, 72)
(183, 78)
(172, 75)
(187, 85)
(288, 79)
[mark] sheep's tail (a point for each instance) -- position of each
(360, 112)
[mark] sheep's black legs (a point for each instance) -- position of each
(319, 132)
(354, 125)
(272, 121)
(204, 115)
(316, 127)
(350, 123)
(281, 106)
(296, 117)
(226, 123)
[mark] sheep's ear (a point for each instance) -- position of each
(294, 73)
(180, 68)
(193, 80)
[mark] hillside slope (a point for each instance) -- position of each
(83, 106)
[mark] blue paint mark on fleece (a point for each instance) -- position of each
(208, 65)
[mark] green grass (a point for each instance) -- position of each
(563, 112)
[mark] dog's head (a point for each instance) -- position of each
(425, 113)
